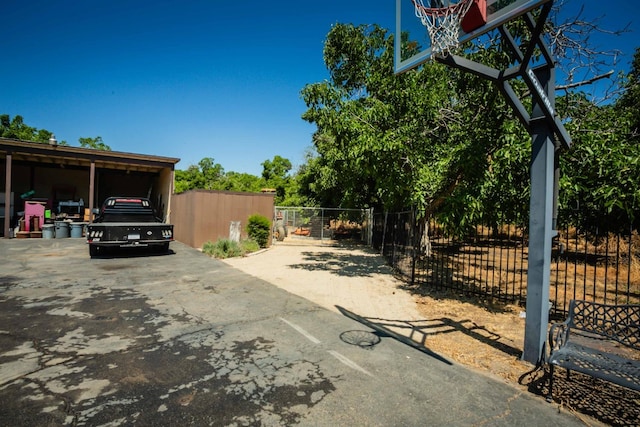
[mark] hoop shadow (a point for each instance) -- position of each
(386, 332)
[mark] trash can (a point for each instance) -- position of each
(77, 229)
(62, 229)
(48, 231)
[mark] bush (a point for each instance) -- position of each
(258, 229)
(225, 248)
(249, 246)
(222, 248)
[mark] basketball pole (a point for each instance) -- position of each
(541, 223)
(545, 128)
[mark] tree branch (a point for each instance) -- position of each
(585, 82)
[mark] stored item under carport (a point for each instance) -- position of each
(48, 231)
(77, 229)
(62, 229)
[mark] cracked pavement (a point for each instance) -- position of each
(182, 339)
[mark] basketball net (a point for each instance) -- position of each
(443, 24)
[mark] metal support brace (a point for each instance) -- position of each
(545, 127)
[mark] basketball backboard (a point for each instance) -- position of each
(417, 49)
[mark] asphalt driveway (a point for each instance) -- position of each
(182, 339)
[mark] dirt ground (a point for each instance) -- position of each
(485, 337)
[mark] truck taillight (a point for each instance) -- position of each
(167, 234)
(95, 234)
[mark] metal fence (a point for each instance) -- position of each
(325, 223)
(490, 262)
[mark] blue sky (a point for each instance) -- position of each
(191, 78)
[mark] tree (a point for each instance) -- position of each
(278, 168)
(444, 142)
(211, 176)
(188, 179)
(600, 186)
(629, 103)
(242, 182)
(16, 128)
(426, 139)
(579, 62)
(95, 143)
(212, 173)
(276, 175)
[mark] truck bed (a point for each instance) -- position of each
(127, 225)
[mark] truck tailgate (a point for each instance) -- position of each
(119, 233)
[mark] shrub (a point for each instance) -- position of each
(225, 248)
(249, 246)
(258, 229)
(222, 248)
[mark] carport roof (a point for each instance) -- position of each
(44, 153)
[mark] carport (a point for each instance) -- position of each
(63, 177)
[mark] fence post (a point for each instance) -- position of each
(384, 232)
(414, 252)
(368, 232)
(234, 231)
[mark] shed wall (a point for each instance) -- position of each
(199, 216)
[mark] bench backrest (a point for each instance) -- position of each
(617, 322)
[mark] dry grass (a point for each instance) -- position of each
(487, 337)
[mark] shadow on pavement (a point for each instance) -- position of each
(113, 253)
(381, 328)
(420, 330)
(582, 394)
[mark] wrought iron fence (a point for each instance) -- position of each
(491, 261)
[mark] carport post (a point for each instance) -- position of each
(7, 197)
(92, 177)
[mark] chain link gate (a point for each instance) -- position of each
(322, 223)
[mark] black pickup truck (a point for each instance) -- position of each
(127, 222)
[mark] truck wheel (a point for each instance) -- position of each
(165, 247)
(93, 250)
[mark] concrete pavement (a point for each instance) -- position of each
(182, 339)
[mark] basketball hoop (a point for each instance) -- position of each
(443, 23)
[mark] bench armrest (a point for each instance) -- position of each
(558, 335)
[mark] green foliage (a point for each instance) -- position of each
(206, 175)
(249, 246)
(16, 129)
(259, 229)
(275, 175)
(225, 248)
(241, 182)
(209, 175)
(600, 186)
(628, 106)
(429, 138)
(95, 143)
(446, 143)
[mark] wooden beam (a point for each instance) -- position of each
(7, 197)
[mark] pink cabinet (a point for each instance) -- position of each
(33, 209)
